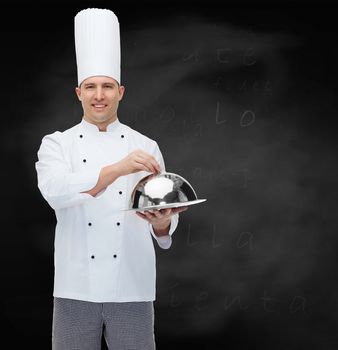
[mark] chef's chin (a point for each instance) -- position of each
(100, 117)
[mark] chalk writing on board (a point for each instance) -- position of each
(173, 301)
(190, 241)
(191, 56)
(239, 178)
(225, 55)
(297, 304)
(267, 301)
(248, 57)
(247, 118)
(218, 121)
(236, 300)
(201, 300)
(168, 114)
(216, 242)
(178, 123)
(245, 239)
(242, 85)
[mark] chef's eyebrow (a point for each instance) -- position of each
(91, 84)
(104, 83)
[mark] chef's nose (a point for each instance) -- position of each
(99, 93)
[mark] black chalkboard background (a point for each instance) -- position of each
(241, 99)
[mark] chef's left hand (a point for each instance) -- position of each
(160, 219)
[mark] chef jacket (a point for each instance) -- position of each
(102, 253)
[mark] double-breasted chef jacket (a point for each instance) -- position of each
(102, 253)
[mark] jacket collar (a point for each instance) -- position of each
(94, 128)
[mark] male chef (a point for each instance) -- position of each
(104, 281)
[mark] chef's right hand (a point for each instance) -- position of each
(138, 160)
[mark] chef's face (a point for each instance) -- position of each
(100, 97)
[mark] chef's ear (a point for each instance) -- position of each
(121, 92)
(78, 93)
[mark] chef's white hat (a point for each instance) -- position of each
(97, 44)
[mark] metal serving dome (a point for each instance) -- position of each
(164, 190)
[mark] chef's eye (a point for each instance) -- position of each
(89, 87)
(108, 86)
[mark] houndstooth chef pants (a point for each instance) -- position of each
(79, 325)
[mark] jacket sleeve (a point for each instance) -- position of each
(57, 183)
(165, 241)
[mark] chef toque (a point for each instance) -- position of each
(97, 44)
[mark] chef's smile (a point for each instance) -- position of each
(99, 107)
